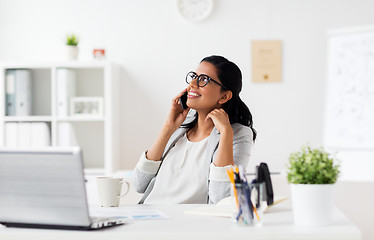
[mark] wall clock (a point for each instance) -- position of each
(195, 10)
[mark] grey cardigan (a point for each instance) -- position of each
(217, 190)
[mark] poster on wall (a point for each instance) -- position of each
(349, 117)
(267, 61)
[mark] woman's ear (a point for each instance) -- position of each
(226, 97)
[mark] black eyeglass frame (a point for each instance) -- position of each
(197, 77)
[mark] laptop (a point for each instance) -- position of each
(45, 188)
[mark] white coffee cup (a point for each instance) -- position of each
(109, 190)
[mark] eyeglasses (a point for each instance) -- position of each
(201, 80)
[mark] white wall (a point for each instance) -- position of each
(156, 47)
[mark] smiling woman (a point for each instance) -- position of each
(188, 161)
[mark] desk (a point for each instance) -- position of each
(278, 225)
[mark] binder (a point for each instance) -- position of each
(66, 135)
(66, 89)
(18, 92)
(24, 134)
(10, 87)
(11, 134)
(40, 134)
(23, 92)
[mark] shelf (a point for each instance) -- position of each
(97, 135)
(27, 119)
(81, 119)
(50, 119)
(55, 64)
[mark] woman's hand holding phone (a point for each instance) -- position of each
(177, 114)
(173, 121)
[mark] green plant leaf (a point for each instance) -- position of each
(312, 166)
(72, 40)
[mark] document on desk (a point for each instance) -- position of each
(135, 214)
(225, 208)
(212, 210)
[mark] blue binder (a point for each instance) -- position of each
(10, 86)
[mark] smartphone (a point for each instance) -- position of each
(183, 100)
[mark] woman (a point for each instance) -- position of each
(188, 161)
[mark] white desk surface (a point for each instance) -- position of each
(278, 225)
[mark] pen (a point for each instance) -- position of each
(239, 214)
(246, 211)
(247, 194)
(252, 207)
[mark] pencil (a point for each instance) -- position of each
(254, 209)
(232, 180)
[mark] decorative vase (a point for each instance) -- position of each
(72, 52)
(312, 204)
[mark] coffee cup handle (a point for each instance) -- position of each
(127, 189)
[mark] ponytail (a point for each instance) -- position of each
(239, 113)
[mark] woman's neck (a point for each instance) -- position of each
(202, 129)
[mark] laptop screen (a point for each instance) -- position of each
(43, 186)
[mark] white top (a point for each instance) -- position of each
(183, 175)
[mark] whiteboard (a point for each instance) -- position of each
(349, 115)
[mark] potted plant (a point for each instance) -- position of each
(72, 46)
(311, 174)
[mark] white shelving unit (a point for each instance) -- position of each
(98, 136)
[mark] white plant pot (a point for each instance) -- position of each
(312, 204)
(72, 52)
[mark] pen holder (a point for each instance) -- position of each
(250, 203)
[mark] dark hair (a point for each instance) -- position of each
(230, 76)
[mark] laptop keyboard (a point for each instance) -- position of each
(99, 222)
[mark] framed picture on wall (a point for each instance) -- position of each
(86, 106)
(267, 61)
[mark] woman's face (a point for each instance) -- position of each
(205, 98)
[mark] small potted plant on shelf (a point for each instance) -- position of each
(72, 46)
(311, 174)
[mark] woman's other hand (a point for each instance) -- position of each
(224, 156)
(220, 120)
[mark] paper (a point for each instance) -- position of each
(276, 201)
(212, 210)
(225, 208)
(349, 113)
(133, 214)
